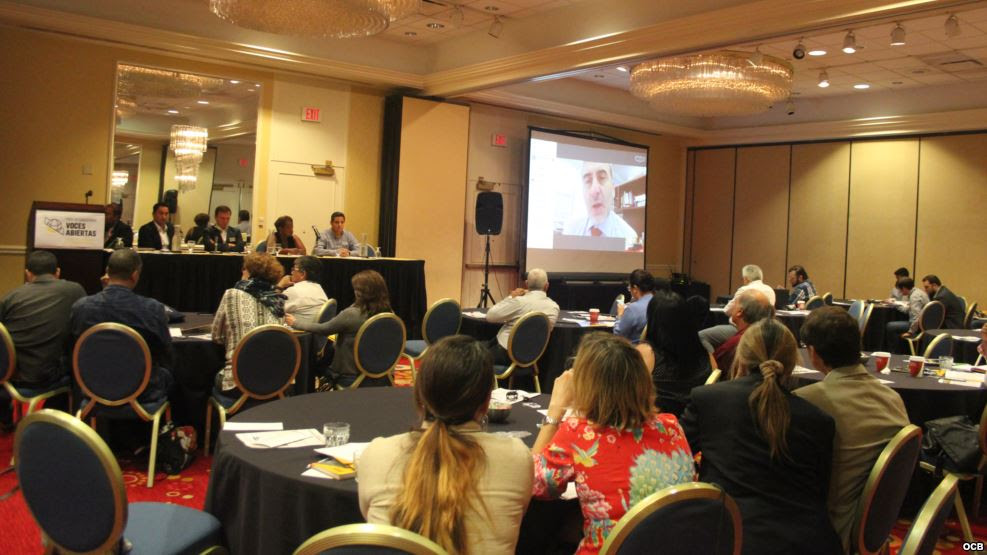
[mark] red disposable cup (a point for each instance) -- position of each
(881, 360)
(594, 315)
(915, 365)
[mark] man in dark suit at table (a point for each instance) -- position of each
(116, 229)
(157, 233)
(867, 413)
(226, 237)
(955, 311)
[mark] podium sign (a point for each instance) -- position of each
(66, 229)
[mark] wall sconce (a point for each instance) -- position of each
(327, 170)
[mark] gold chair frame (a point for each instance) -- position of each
(714, 376)
(428, 314)
(514, 365)
(913, 341)
(377, 535)
(813, 299)
(222, 412)
(155, 418)
(945, 493)
(670, 496)
(8, 374)
(827, 298)
(318, 318)
(935, 343)
(364, 374)
(971, 310)
(909, 433)
(865, 318)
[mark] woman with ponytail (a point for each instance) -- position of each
(448, 480)
(770, 450)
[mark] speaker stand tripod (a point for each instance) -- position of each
(485, 290)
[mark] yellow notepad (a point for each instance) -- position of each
(334, 470)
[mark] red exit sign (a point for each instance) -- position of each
(311, 114)
(498, 139)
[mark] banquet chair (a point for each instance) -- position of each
(963, 303)
(616, 302)
(827, 298)
(74, 489)
(856, 310)
(326, 312)
(264, 365)
(112, 366)
(865, 318)
(930, 318)
(714, 376)
(931, 520)
(369, 538)
(941, 345)
(814, 302)
(378, 347)
(19, 395)
(442, 319)
(971, 311)
(685, 518)
(525, 345)
(884, 491)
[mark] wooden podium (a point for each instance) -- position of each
(74, 234)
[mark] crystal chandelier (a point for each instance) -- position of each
(322, 18)
(120, 178)
(723, 83)
(188, 143)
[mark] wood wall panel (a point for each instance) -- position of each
(713, 218)
(952, 238)
(818, 214)
(760, 229)
(883, 182)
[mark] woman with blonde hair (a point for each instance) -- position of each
(770, 450)
(448, 480)
(615, 446)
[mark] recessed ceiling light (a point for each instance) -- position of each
(410, 34)
(622, 68)
(172, 111)
(434, 25)
(257, 85)
(817, 52)
(202, 101)
(234, 82)
(861, 86)
(491, 8)
(251, 90)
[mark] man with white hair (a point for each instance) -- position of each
(521, 301)
(752, 277)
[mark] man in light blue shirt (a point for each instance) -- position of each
(336, 241)
(632, 318)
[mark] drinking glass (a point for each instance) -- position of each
(336, 433)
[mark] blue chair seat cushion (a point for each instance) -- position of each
(122, 411)
(226, 401)
(167, 528)
(415, 347)
(32, 391)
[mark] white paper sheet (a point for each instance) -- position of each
(346, 453)
(175, 332)
(500, 394)
(286, 439)
(252, 426)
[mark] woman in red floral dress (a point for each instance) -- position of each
(614, 447)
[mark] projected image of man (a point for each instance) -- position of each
(600, 219)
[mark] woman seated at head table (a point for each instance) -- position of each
(305, 294)
(252, 302)
(615, 446)
(371, 298)
(200, 233)
(284, 236)
(770, 450)
(449, 480)
(672, 351)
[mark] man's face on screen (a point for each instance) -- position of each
(597, 190)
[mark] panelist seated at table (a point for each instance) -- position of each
(284, 237)
(768, 449)
(520, 302)
(304, 294)
(336, 241)
(371, 298)
(157, 233)
(955, 311)
(226, 237)
(251, 303)
(118, 303)
(616, 447)
(449, 480)
(916, 300)
(116, 229)
(199, 234)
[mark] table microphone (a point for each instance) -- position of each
(318, 236)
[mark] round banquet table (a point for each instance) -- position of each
(261, 498)
(925, 398)
(965, 343)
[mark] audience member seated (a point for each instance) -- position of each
(157, 233)
(251, 303)
(336, 241)
(896, 294)
(770, 450)
(302, 289)
(752, 277)
(116, 229)
(284, 237)
(616, 447)
(982, 348)
(37, 314)
(802, 288)
(752, 307)
(672, 351)
(520, 302)
(632, 318)
(243, 223)
(371, 298)
(118, 303)
(867, 413)
(200, 234)
(449, 480)
(955, 311)
(915, 300)
(227, 238)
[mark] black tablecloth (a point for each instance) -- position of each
(196, 282)
(963, 351)
(267, 506)
(874, 335)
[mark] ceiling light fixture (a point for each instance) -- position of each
(823, 79)
(120, 178)
(757, 57)
(172, 111)
(234, 82)
(188, 143)
(817, 52)
(898, 35)
(434, 25)
(496, 27)
(952, 26)
(622, 68)
(719, 84)
(861, 86)
(335, 19)
(849, 43)
(799, 51)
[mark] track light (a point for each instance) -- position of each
(952, 26)
(756, 57)
(823, 79)
(898, 35)
(849, 43)
(790, 107)
(496, 27)
(799, 52)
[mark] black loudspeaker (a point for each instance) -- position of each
(171, 199)
(489, 213)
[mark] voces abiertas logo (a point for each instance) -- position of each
(72, 227)
(55, 224)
